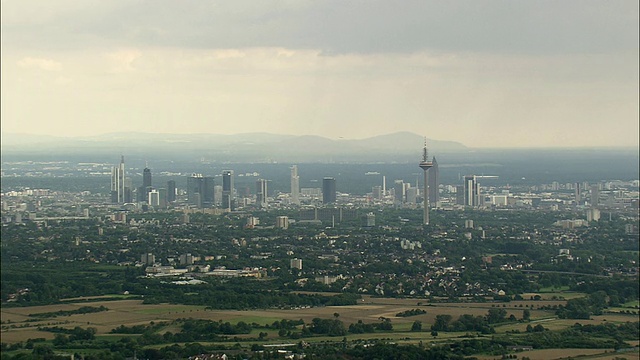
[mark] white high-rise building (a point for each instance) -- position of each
(154, 198)
(117, 183)
(295, 185)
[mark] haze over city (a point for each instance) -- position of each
(482, 73)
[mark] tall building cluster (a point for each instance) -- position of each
(202, 192)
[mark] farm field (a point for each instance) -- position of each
(552, 354)
(17, 325)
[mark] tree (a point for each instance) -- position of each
(417, 326)
(496, 315)
(526, 315)
(442, 323)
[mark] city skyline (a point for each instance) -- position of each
(482, 74)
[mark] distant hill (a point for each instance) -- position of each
(255, 147)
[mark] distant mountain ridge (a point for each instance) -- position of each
(237, 147)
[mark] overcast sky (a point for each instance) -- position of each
(484, 73)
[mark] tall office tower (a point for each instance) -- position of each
(384, 186)
(398, 188)
(146, 182)
(411, 195)
(595, 195)
(171, 191)
(208, 192)
(434, 184)
(328, 190)
(128, 192)
(117, 183)
(200, 190)
(471, 191)
(217, 195)
(459, 194)
(377, 192)
(146, 178)
(162, 199)
(295, 185)
(577, 193)
(425, 165)
(227, 189)
(153, 198)
(261, 193)
(193, 190)
(141, 194)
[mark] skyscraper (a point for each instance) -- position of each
(146, 182)
(425, 165)
(459, 194)
(117, 183)
(595, 195)
(399, 191)
(261, 193)
(471, 191)
(171, 191)
(146, 178)
(434, 184)
(153, 198)
(227, 189)
(295, 185)
(328, 190)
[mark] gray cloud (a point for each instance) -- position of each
(526, 27)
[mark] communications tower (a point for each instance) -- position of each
(425, 165)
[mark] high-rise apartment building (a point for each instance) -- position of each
(228, 197)
(148, 259)
(328, 190)
(371, 219)
(282, 222)
(296, 263)
(295, 185)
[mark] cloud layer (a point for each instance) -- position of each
(485, 73)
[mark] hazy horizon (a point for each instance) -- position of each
(487, 74)
(468, 148)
